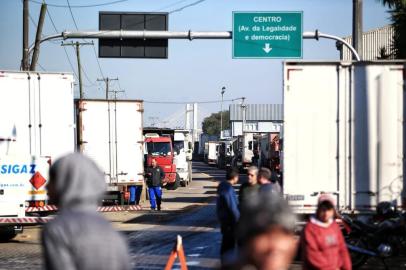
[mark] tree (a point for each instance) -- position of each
(211, 124)
(383, 54)
(398, 18)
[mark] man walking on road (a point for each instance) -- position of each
(155, 176)
(249, 188)
(79, 237)
(228, 213)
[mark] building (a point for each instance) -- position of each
(260, 118)
(376, 44)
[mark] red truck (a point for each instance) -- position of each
(159, 147)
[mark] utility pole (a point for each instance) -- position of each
(244, 110)
(107, 82)
(187, 119)
(357, 27)
(26, 14)
(195, 128)
(223, 90)
(115, 93)
(41, 20)
(153, 120)
(77, 46)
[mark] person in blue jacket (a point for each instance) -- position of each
(228, 213)
(155, 177)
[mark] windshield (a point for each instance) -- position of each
(159, 148)
(178, 145)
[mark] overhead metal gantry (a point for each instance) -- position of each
(190, 35)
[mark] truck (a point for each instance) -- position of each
(37, 128)
(270, 149)
(212, 152)
(344, 134)
(226, 153)
(203, 140)
(183, 146)
(159, 146)
(110, 132)
(249, 150)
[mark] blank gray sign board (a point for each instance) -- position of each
(133, 48)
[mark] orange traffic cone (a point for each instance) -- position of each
(177, 251)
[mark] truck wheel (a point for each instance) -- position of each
(175, 185)
(7, 233)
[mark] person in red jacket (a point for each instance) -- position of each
(323, 243)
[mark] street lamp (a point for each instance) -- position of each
(223, 90)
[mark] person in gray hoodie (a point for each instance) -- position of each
(79, 237)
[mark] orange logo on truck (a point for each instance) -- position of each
(37, 180)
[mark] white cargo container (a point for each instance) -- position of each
(110, 132)
(343, 133)
(36, 128)
(248, 146)
(212, 153)
(37, 121)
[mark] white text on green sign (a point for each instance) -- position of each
(267, 34)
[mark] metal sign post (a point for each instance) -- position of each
(190, 35)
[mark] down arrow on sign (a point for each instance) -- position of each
(267, 48)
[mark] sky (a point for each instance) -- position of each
(195, 70)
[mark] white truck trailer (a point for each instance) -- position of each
(248, 146)
(36, 128)
(343, 133)
(110, 132)
(183, 147)
(212, 148)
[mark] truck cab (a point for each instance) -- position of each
(183, 151)
(160, 148)
(226, 153)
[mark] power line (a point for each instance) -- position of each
(119, 85)
(171, 5)
(97, 60)
(71, 14)
(94, 49)
(187, 6)
(189, 102)
(107, 81)
(68, 58)
(64, 49)
(81, 6)
(41, 67)
(80, 68)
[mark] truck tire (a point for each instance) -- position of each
(175, 185)
(7, 233)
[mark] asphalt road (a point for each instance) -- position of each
(187, 211)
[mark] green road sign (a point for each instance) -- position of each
(267, 34)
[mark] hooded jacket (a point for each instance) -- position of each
(324, 247)
(227, 205)
(79, 237)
